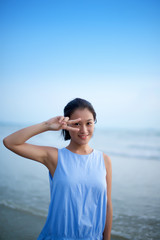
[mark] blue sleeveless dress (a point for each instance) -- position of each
(78, 189)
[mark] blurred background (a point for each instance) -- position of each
(107, 52)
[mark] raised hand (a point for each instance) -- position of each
(60, 122)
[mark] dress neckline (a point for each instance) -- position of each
(80, 154)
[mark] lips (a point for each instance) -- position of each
(83, 136)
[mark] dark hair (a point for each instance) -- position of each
(71, 107)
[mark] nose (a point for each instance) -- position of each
(83, 128)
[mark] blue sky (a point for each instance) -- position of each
(104, 51)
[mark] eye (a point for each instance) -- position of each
(76, 124)
(89, 123)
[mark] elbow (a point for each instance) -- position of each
(6, 143)
(109, 204)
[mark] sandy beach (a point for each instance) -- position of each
(21, 225)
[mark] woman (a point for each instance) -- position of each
(80, 177)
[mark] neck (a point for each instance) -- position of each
(80, 149)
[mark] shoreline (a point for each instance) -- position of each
(17, 224)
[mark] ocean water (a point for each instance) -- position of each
(135, 155)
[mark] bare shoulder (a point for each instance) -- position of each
(108, 162)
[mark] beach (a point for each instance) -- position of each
(20, 225)
(16, 224)
(135, 155)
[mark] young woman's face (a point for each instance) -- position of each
(85, 126)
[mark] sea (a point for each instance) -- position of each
(135, 155)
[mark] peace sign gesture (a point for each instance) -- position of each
(60, 122)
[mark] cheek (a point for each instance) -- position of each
(92, 129)
(72, 134)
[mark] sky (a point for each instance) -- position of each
(107, 52)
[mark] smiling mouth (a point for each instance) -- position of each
(83, 136)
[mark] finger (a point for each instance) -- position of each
(65, 119)
(61, 119)
(74, 121)
(68, 128)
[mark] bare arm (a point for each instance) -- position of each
(108, 225)
(16, 142)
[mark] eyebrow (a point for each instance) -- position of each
(90, 119)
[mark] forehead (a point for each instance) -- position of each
(84, 114)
